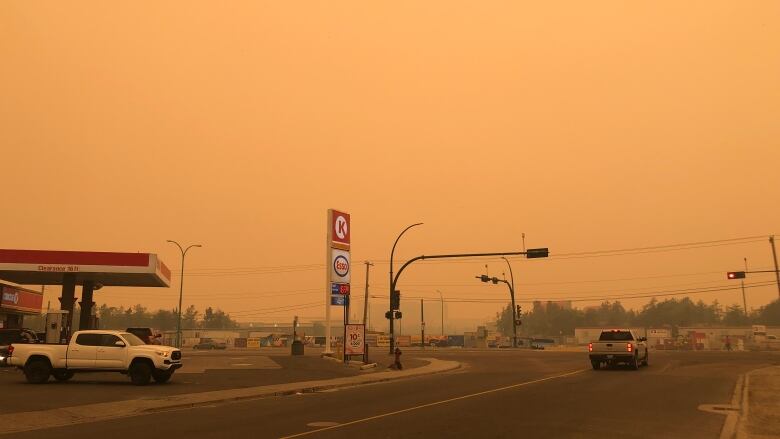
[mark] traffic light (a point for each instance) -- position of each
(494, 280)
(484, 278)
(398, 314)
(519, 311)
(735, 275)
(395, 300)
(389, 315)
(533, 253)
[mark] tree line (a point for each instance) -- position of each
(111, 317)
(549, 318)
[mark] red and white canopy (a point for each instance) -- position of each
(46, 267)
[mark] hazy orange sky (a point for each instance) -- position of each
(586, 125)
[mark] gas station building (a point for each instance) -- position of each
(89, 270)
(17, 302)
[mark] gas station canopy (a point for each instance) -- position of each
(45, 267)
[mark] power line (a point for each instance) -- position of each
(678, 292)
(258, 270)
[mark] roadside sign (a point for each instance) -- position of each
(340, 232)
(355, 339)
(340, 266)
(339, 288)
(339, 299)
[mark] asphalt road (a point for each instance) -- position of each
(495, 394)
(203, 371)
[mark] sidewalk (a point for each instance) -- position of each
(58, 417)
(761, 405)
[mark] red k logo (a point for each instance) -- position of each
(341, 227)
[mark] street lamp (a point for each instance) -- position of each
(181, 287)
(391, 314)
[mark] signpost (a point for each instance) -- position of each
(337, 276)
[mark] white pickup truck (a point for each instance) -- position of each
(618, 346)
(96, 351)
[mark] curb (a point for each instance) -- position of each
(67, 416)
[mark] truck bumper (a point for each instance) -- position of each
(614, 358)
(170, 365)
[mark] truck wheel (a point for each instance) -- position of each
(140, 373)
(596, 364)
(162, 376)
(62, 375)
(647, 356)
(634, 363)
(37, 371)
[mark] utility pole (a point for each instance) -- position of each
(422, 324)
(774, 255)
(441, 297)
(744, 300)
(365, 305)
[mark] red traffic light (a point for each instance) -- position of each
(735, 275)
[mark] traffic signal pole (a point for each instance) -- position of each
(422, 324)
(531, 253)
(512, 293)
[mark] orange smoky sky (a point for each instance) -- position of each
(585, 125)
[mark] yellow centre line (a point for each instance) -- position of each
(431, 404)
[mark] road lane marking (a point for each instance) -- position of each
(322, 424)
(431, 404)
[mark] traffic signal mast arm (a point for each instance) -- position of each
(531, 253)
(741, 274)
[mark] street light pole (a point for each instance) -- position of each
(392, 285)
(181, 287)
(512, 293)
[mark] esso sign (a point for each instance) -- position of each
(340, 266)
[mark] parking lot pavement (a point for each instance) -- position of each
(203, 371)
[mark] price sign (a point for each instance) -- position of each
(355, 339)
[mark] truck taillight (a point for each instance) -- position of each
(10, 350)
(590, 347)
(629, 347)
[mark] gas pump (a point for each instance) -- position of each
(55, 326)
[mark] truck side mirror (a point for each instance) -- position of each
(119, 343)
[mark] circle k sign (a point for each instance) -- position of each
(340, 222)
(340, 266)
